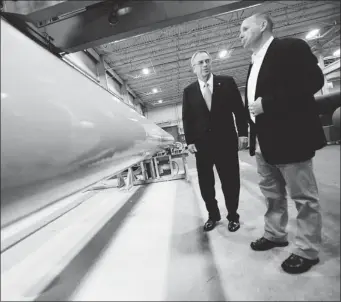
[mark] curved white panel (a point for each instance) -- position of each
(60, 132)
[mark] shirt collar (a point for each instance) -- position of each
(261, 52)
(210, 82)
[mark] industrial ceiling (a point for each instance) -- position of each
(161, 36)
(167, 52)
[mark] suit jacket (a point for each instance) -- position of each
(290, 129)
(200, 123)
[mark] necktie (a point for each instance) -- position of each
(207, 96)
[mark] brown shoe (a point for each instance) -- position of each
(263, 244)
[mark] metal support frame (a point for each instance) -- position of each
(170, 164)
(184, 159)
(126, 183)
(101, 73)
(156, 177)
(122, 183)
(143, 169)
(156, 169)
(129, 180)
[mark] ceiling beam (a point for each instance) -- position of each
(189, 34)
(183, 73)
(140, 53)
(181, 65)
(91, 28)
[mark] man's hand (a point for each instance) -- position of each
(256, 107)
(192, 148)
(242, 142)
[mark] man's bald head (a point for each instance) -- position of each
(263, 17)
(255, 30)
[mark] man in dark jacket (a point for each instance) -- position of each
(285, 132)
(208, 107)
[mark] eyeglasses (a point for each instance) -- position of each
(201, 62)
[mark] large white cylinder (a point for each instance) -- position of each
(60, 131)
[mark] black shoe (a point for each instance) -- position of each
(233, 226)
(210, 224)
(263, 244)
(297, 264)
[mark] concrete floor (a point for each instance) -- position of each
(148, 244)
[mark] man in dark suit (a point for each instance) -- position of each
(285, 132)
(208, 107)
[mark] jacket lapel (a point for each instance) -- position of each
(245, 94)
(265, 70)
(247, 80)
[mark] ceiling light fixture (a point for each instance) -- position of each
(312, 34)
(154, 90)
(160, 101)
(145, 71)
(222, 53)
(124, 10)
(336, 53)
(116, 12)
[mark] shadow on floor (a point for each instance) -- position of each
(64, 285)
(192, 273)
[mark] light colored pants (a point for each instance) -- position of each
(300, 181)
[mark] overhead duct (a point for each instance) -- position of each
(45, 12)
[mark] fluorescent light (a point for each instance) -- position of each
(124, 10)
(222, 53)
(145, 71)
(336, 53)
(154, 90)
(312, 34)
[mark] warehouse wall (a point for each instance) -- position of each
(166, 115)
(89, 67)
(83, 62)
(113, 85)
(171, 115)
(332, 74)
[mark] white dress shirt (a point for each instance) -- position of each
(209, 82)
(257, 60)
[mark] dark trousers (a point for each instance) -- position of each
(226, 162)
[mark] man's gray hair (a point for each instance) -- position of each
(196, 53)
